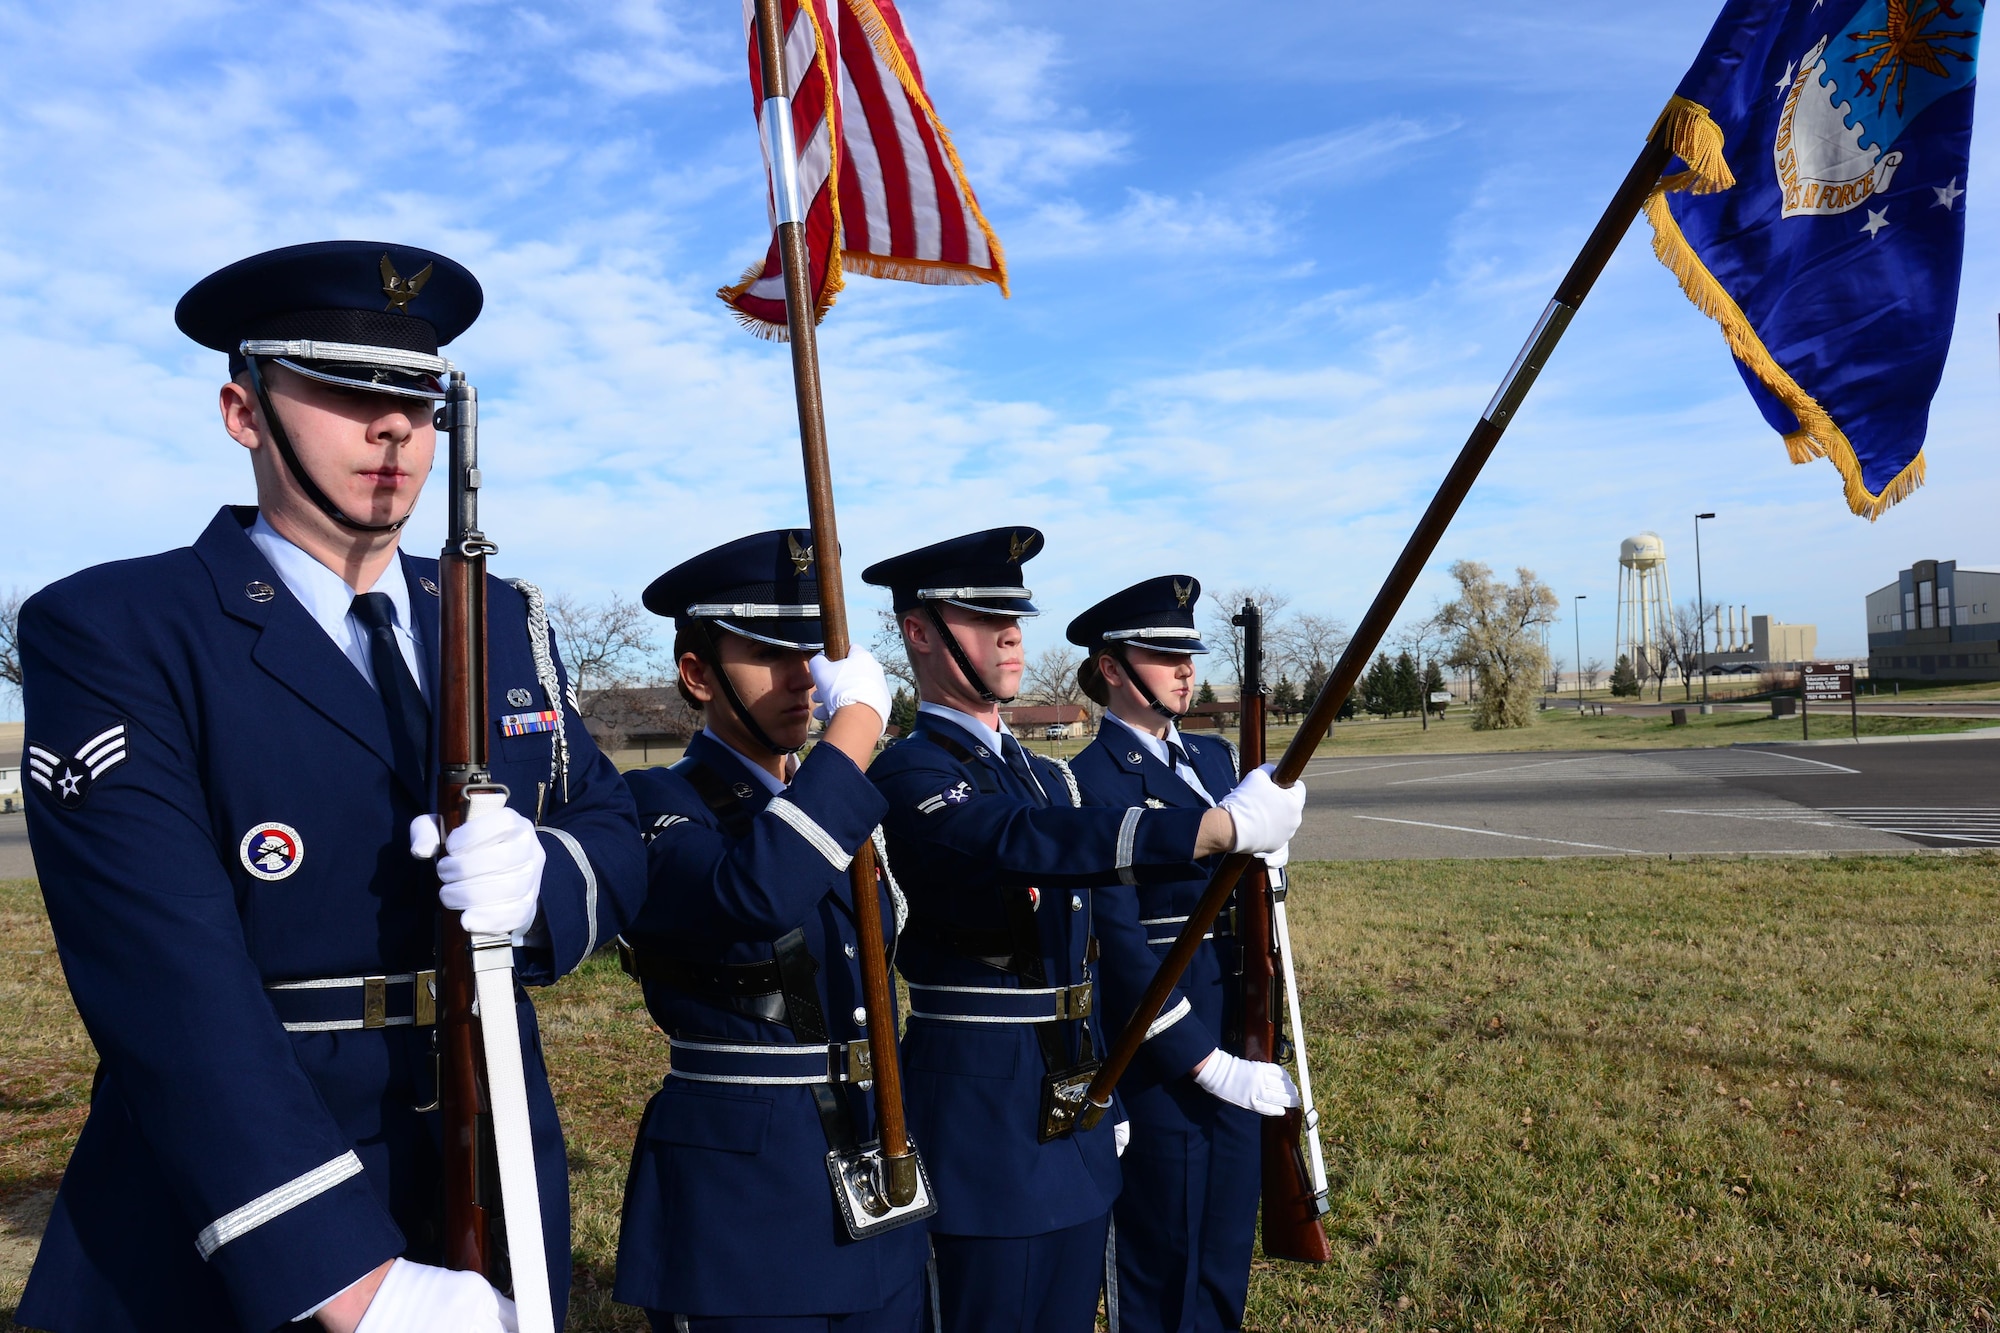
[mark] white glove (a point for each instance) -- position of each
(491, 869)
(1266, 814)
(855, 679)
(1121, 1136)
(416, 1298)
(1251, 1084)
(1277, 860)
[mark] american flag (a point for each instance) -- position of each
(884, 191)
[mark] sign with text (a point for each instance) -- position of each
(1829, 682)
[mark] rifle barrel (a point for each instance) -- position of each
(1639, 182)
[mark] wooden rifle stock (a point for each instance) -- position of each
(1292, 1228)
(472, 1238)
(1639, 182)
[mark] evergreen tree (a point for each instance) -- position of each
(1206, 694)
(1407, 685)
(1315, 679)
(1378, 686)
(1624, 680)
(902, 712)
(1285, 698)
(1433, 680)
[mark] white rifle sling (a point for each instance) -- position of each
(1283, 930)
(507, 1088)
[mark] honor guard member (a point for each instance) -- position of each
(230, 753)
(999, 859)
(1188, 1215)
(746, 948)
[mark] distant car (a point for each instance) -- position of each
(1054, 731)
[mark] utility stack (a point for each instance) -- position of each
(1645, 603)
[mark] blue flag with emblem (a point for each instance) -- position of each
(1820, 219)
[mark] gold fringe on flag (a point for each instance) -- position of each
(923, 270)
(1697, 140)
(836, 282)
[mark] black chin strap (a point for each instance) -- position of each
(1125, 661)
(712, 656)
(972, 677)
(298, 471)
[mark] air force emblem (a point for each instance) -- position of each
(1182, 591)
(1020, 545)
(400, 290)
(68, 779)
(802, 556)
(955, 795)
(271, 851)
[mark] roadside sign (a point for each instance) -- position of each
(1440, 696)
(1829, 682)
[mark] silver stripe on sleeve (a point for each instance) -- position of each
(1128, 834)
(1169, 1018)
(276, 1203)
(568, 840)
(802, 824)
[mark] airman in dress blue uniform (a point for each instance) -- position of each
(746, 948)
(1002, 865)
(228, 747)
(1188, 1214)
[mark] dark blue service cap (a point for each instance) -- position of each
(982, 572)
(764, 587)
(1156, 614)
(362, 314)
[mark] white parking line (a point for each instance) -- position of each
(1504, 768)
(1495, 833)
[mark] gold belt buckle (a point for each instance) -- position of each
(426, 1000)
(374, 1002)
(860, 1062)
(1073, 1002)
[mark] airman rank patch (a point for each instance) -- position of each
(526, 724)
(271, 851)
(67, 779)
(957, 795)
(661, 823)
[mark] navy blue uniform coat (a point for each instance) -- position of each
(239, 710)
(728, 1209)
(1188, 1216)
(974, 1090)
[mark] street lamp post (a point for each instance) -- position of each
(1700, 608)
(1576, 619)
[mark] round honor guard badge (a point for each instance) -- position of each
(259, 591)
(272, 851)
(519, 698)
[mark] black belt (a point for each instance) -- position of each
(756, 990)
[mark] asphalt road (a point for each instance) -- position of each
(1782, 800)
(1799, 800)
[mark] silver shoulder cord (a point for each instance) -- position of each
(896, 898)
(1283, 930)
(545, 676)
(1069, 780)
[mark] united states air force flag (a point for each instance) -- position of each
(1821, 217)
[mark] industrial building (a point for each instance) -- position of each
(1938, 619)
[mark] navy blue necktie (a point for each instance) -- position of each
(1017, 759)
(1179, 759)
(402, 702)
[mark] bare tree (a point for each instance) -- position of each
(1593, 671)
(609, 650)
(1228, 640)
(1424, 639)
(1555, 679)
(1308, 645)
(1496, 630)
(1051, 677)
(10, 643)
(887, 645)
(1684, 645)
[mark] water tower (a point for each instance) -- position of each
(1645, 606)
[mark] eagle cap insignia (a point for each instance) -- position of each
(400, 290)
(1019, 545)
(1182, 592)
(802, 556)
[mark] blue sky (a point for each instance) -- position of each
(1268, 263)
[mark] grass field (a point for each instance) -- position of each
(1586, 1095)
(1565, 729)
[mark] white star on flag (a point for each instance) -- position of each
(1784, 84)
(1876, 221)
(1947, 194)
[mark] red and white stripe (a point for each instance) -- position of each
(877, 169)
